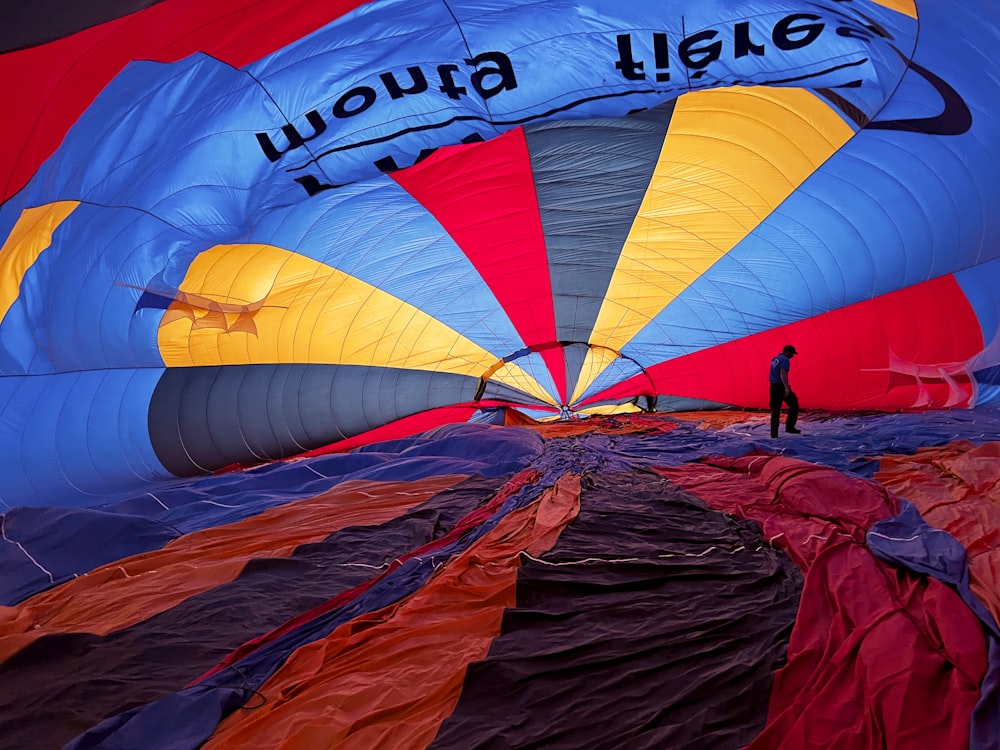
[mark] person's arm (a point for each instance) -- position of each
(784, 379)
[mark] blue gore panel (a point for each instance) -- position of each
(76, 438)
(47, 546)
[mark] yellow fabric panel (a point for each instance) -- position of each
(907, 7)
(31, 235)
(731, 156)
(612, 409)
(514, 376)
(243, 304)
(593, 365)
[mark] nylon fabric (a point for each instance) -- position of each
(477, 191)
(686, 224)
(286, 320)
(598, 650)
(229, 686)
(956, 487)
(909, 541)
(508, 249)
(65, 542)
(227, 30)
(29, 238)
(127, 591)
(395, 674)
(877, 657)
(599, 602)
(195, 634)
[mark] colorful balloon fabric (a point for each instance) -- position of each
(232, 235)
(640, 581)
(382, 374)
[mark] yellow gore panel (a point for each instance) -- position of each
(593, 365)
(31, 235)
(243, 304)
(514, 376)
(731, 156)
(612, 409)
(908, 7)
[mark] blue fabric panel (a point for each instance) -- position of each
(210, 501)
(47, 546)
(512, 447)
(580, 79)
(909, 541)
(987, 377)
(418, 467)
(901, 33)
(191, 173)
(76, 438)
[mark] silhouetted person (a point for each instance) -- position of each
(782, 391)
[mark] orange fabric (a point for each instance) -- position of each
(128, 591)
(616, 424)
(957, 488)
(719, 419)
(513, 417)
(389, 678)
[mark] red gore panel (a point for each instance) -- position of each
(905, 350)
(501, 235)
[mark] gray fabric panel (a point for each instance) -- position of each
(590, 177)
(205, 418)
(575, 355)
(502, 392)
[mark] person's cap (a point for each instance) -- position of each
(789, 349)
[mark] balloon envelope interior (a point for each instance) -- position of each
(224, 250)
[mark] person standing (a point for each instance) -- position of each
(781, 391)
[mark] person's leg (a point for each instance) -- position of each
(777, 394)
(793, 412)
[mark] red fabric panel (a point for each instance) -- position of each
(48, 87)
(878, 657)
(904, 350)
(501, 235)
